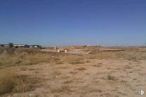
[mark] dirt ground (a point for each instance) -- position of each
(109, 77)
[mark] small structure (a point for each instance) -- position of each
(35, 46)
(65, 50)
(58, 51)
(62, 50)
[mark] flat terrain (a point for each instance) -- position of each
(82, 72)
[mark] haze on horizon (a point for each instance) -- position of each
(70, 22)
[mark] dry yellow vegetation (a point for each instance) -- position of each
(25, 71)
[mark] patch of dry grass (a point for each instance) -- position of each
(19, 57)
(132, 55)
(73, 59)
(62, 89)
(10, 82)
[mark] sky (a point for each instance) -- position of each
(73, 22)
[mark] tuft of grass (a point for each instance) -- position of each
(110, 77)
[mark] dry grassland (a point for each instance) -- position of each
(35, 73)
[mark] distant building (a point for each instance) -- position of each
(21, 46)
(1, 45)
(4, 45)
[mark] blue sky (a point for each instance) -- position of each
(67, 22)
